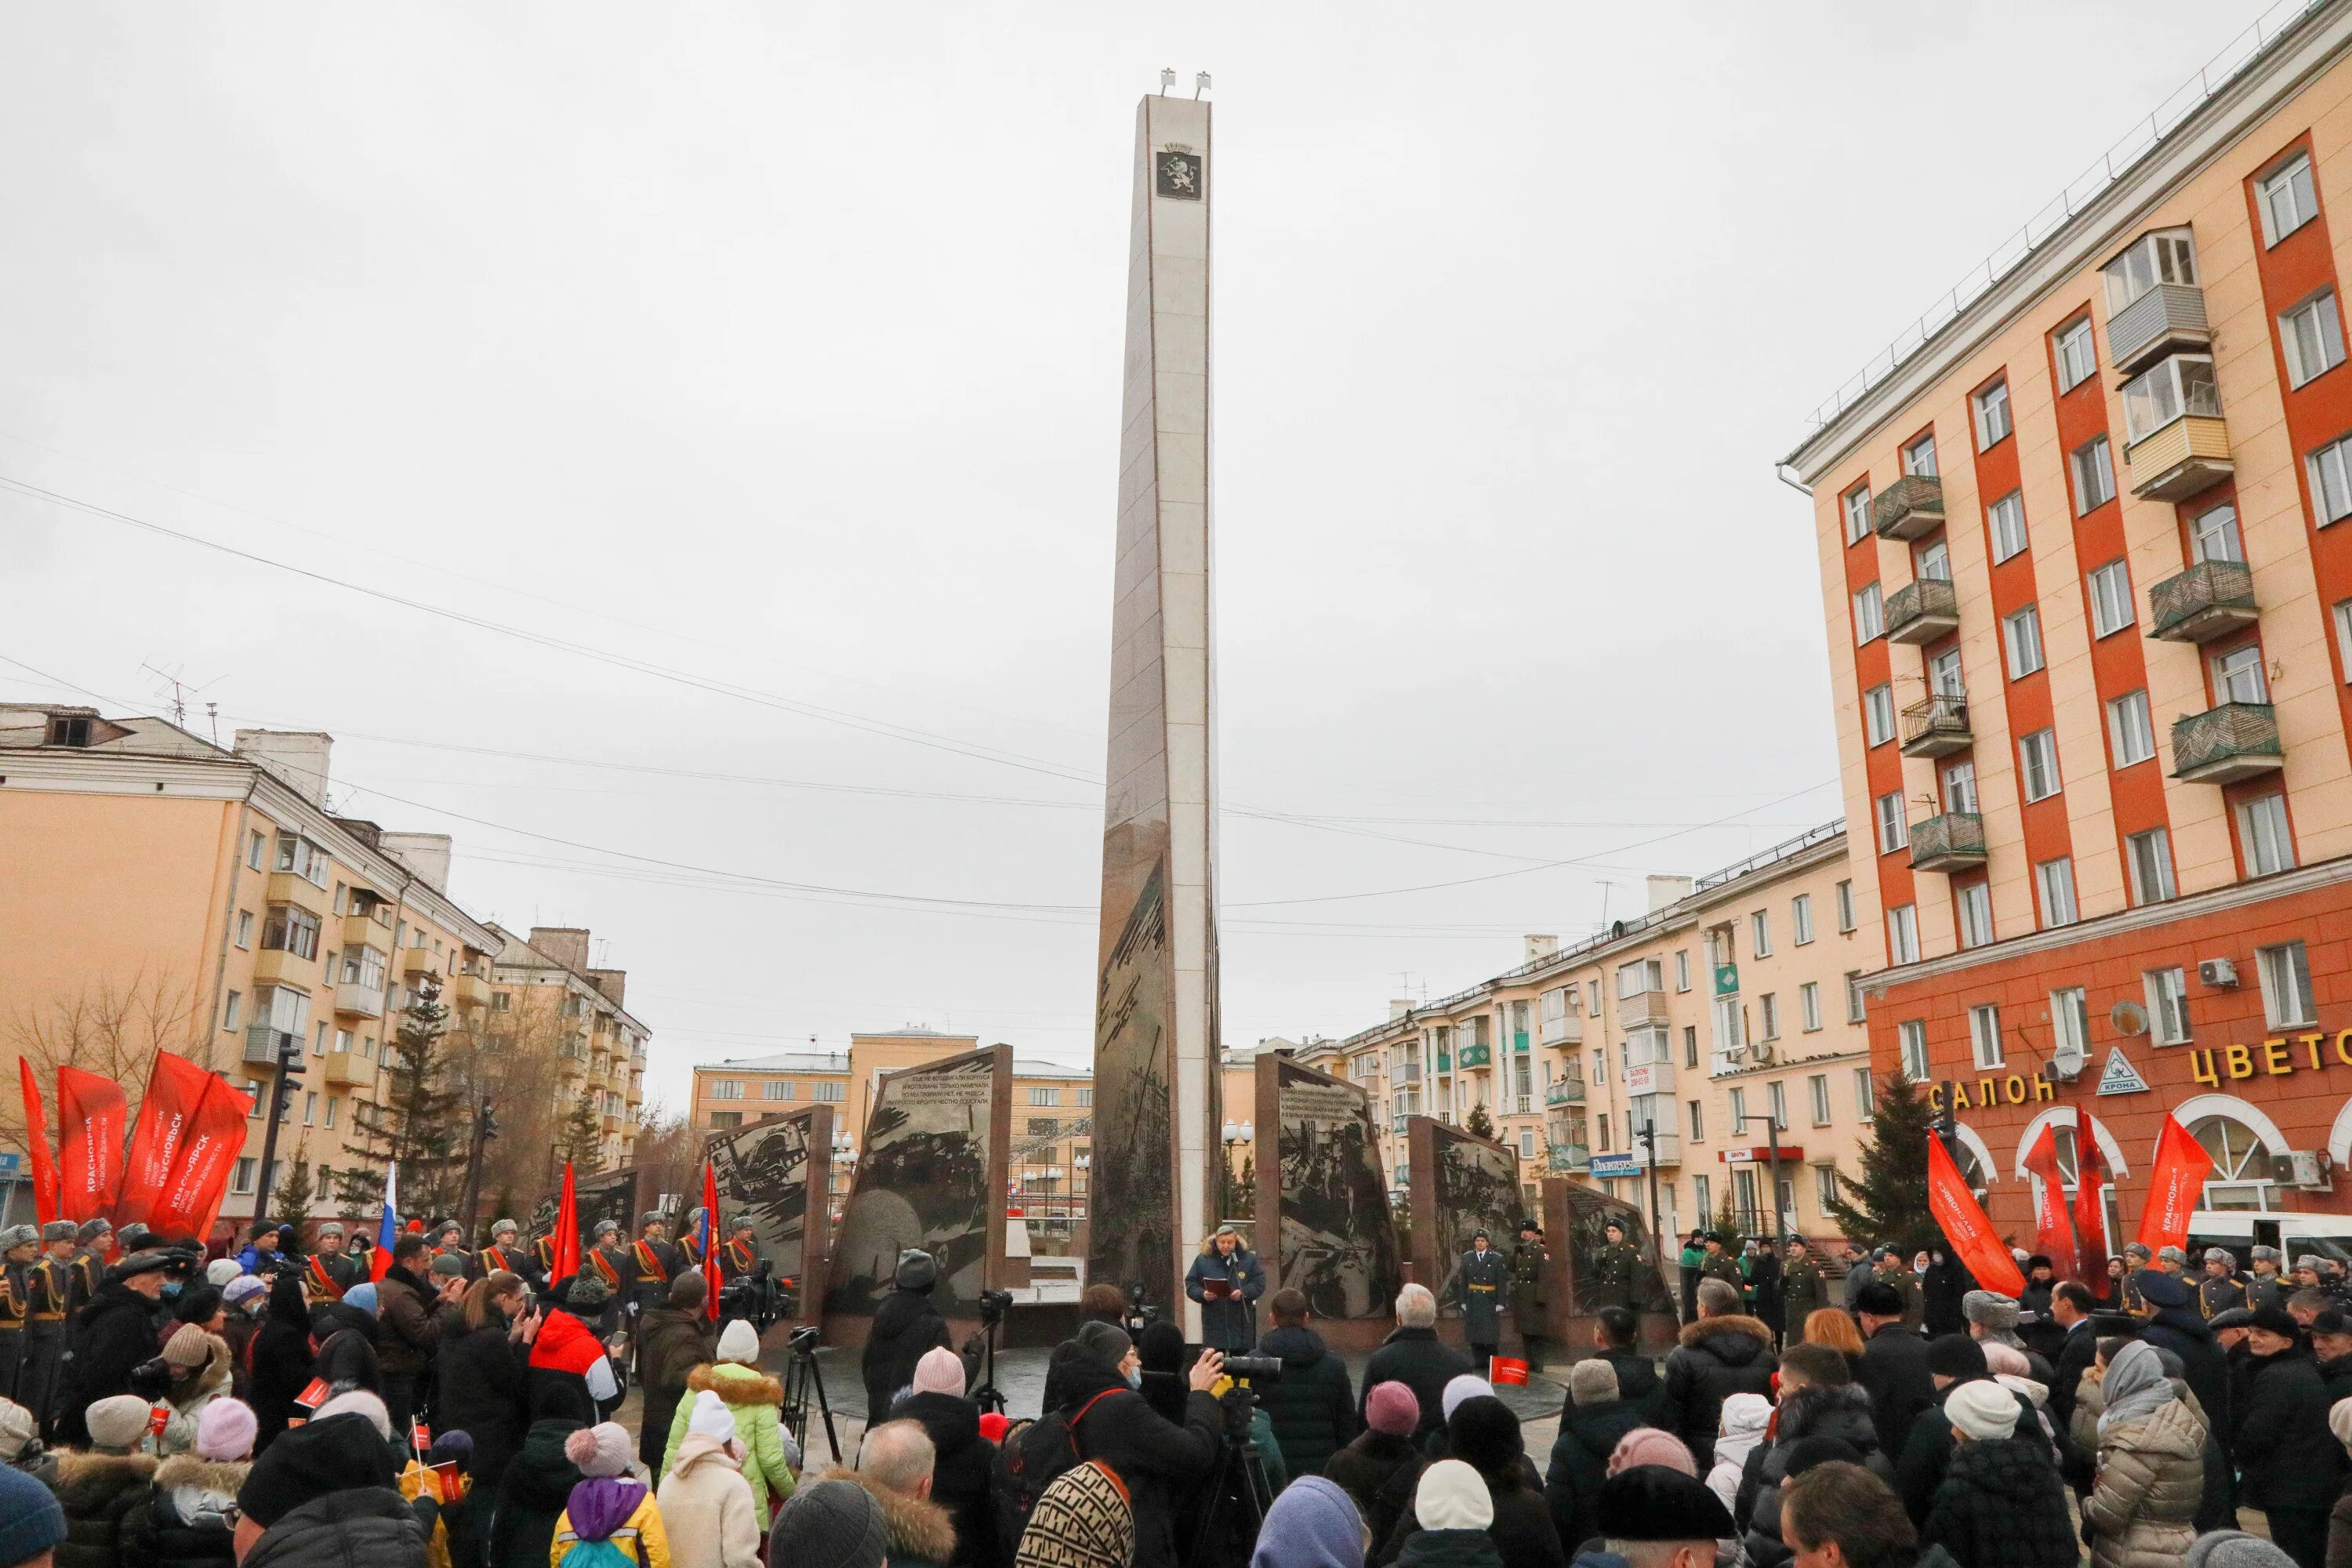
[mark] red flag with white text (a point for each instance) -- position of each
(37, 1145)
(175, 1086)
(709, 1239)
(1967, 1232)
(92, 1113)
(2091, 1241)
(2053, 1233)
(2175, 1183)
(191, 1198)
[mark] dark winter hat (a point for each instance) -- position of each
(1485, 1435)
(449, 1266)
(1161, 1347)
(307, 1462)
(1614, 1221)
(2038, 1261)
(2236, 1318)
(140, 1263)
(1650, 1502)
(588, 1291)
(1879, 1301)
(1480, 1235)
(1105, 1344)
(2161, 1289)
(833, 1524)
(91, 1229)
(1957, 1356)
(31, 1522)
(918, 1270)
(2275, 1321)
(2328, 1322)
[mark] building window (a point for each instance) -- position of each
(1640, 978)
(311, 1110)
(1825, 1188)
(253, 1096)
(1801, 914)
(2165, 256)
(2214, 535)
(1526, 1144)
(1960, 787)
(2070, 1020)
(290, 928)
(2129, 729)
(829, 1093)
(1700, 1197)
(1770, 1005)
(727, 1088)
(1818, 1086)
(2037, 761)
(2006, 520)
(2238, 676)
(1044, 1097)
(2094, 476)
(500, 1001)
(1866, 1095)
(1934, 562)
(1600, 1131)
(230, 1008)
(2020, 635)
(1690, 1045)
(779, 1088)
(2286, 984)
(1086, 1098)
(2078, 356)
(2111, 599)
(1975, 901)
(1902, 934)
(1912, 1033)
(1919, 456)
(1738, 1114)
(2287, 201)
(1776, 1099)
(2344, 636)
(1759, 927)
(1857, 1008)
(1682, 970)
(1984, 1035)
(257, 844)
(1992, 414)
(2312, 336)
(1856, 502)
(722, 1120)
(2172, 389)
(1845, 906)
(2150, 856)
(1869, 616)
(1809, 1004)
(333, 1101)
(242, 1182)
(1878, 715)
(2054, 879)
(245, 928)
(2168, 1005)
(1697, 1121)
(1894, 833)
(2262, 834)
(2330, 470)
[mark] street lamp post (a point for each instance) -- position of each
(1236, 1135)
(1772, 1181)
(1649, 1137)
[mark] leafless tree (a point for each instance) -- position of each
(111, 1027)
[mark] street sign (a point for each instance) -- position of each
(1608, 1165)
(2121, 1077)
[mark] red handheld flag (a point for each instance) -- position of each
(709, 1238)
(175, 1089)
(567, 1232)
(2174, 1187)
(92, 1113)
(1966, 1229)
(36, 1144)
(2091, 1242)
(191, 1199)
(2053, 1234)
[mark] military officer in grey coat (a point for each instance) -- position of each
(1480, 1287)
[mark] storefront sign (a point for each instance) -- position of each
(1650, 1077)
(1988, 1091)
(1605, 1166)
(1789, 1152)
(2277, 1057)
(2121, 1077)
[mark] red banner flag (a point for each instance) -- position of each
(92, 1113)
(1966, 1229)
(710, 1244)
(2091, 1242)
(37, 1145)
(567, 1233)
(2053, 1234)
(2174, 1187)
(175, 1089)
(191, 1199)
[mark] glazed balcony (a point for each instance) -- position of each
(1639, 1012)
(1922, 612)
(353, 1000)
(1913, 505)
(1566, 1091)
(1937, 727)
(2223, 745)
(2169, 318)
(368, 931)
(2187, 457)
(1566, 1030)
(1404, 1073)
(469, 991)
(2211, 599)
(1952, 842)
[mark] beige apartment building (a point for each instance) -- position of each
(1729, 1010)
(543, 984)
(162, 891)
(2087, 577)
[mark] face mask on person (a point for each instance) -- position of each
(1135, 1377)
(1919, 1268)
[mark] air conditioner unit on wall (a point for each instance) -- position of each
(2311, 1169)
(2217, 972)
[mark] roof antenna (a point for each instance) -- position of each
(1167, 79)
(1200, 85)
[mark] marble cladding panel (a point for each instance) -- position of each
(924, 1182)
(1333, 1236)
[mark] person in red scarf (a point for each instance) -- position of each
(570, 1374)
(653, 1263)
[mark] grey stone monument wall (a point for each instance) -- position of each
(766, 1172)
(1461, 1183)
(608, 1195)
(1323, 1222)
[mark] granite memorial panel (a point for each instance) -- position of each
(1324, 1225)
(766, 1173)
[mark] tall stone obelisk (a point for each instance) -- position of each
(1156, 1151)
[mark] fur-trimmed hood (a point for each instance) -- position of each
(87, 1483)
(918, 1528)
(1842, 1413)
(1734, 1339)
(202, 1474)
(735, 1385)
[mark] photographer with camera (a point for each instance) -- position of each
(1226, 1279)
(1162, 1462)
(111, 1337)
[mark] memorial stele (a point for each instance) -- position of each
(1156, 1028)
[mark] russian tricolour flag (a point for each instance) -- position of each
(388, 1230)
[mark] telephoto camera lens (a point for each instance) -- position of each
(1254, 1368)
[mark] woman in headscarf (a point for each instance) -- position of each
(2151, 1466)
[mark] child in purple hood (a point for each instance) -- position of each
(611, 1519)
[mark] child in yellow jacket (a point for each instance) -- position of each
(611, 1519)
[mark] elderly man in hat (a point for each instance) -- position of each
(18, 1243)
(48, 1298)
(1477, 1285)
(507, 1253)
(113, 1335)
(2221, 1288)
(653, 1262)
(1660, 1518)
(1992, 1316)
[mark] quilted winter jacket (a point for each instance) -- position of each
(753, 1398)
(2151, 1481)
(2001, 1505)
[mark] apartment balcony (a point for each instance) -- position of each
(1478, 1057)
(289, 888)
(1519, 1039)
(1566, 1091)
(1952, 842)
(366, 931)
(469, 990)
(348, 1068)
(2166, 319)
(636, 1094)
(2184, 457)
(1396, 1123)
(1650, 1077)
(1408, 1072)
(418, 962)
(1669, 1149)
(1641, 1012)
(353, 1000)
(2211, 599)
(2236, 741)
(263, 1043)
(1911, 506)
(1937, 727)
(1570, 1157)
(612, 1124)
(275, 966)
(1444, 1061)
(1922, 612)
(1568, 1030)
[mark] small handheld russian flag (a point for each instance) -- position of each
(387, 1231)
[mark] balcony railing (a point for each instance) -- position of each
(1478, 1057)
(353, 1000)
(1922, 611)
(2211, 599)
(1952, 842)
(1570, 1156)
(263, 1043)
(1566, 1030)
(1396, 1123)
(2169, 317)
(1642, 1011)
(1405, 1072)
(1937, 727)
(1445, 1061)
(1911, 506)
(2236, 741)
(1565, 1091)
(2187, 457)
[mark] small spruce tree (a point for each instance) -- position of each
(1887, 1203)
(417, 1123)
(1480, 1124)
(580, 1137)
(290, 1204)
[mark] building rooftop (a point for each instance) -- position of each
(838, 1062)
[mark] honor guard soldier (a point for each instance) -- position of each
(97, 1240)
(1479, 1281)
(17, 1246)
(653, 1263)
(609, 1258)
(689, 1240)
(2264, 1286)
(742, 1258)
(2137, 1257)
(1803, 1291)
(448, 1240)
(47, 1299)
(331, 1270)
(1892, 1273)
(504, 1252)
(1720, 1265)
(2220, 1289)
(1610, 1273)
(1528, 1260)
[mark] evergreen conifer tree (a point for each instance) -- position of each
(580, 1137)
(418, 1124)
(291, 1204)
(1887, 1203)
(1480, 1123)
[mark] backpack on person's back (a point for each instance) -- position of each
(1027, 1461)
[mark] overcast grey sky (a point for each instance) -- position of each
(779, 347)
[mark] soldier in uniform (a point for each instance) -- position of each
(1528, 1260)
(504, 1252)
(2135, 1257)
(449, 1239)
(1802, 1291)
(97, 1239)
(49, 1294)
(1720, 1265)
(331, 1270)
(1904, 1283)
(689, 1240)
(653, 1262)
(743, 1254)
(1479, 1281)
(2220, 1289)
(1610, 1271)
(17, 1246)
(2264, 1286)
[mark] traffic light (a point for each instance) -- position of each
(290, 1066)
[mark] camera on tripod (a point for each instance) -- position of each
(1138, 1316)
(757, 1298)
(803, 1341)
(993, 1305)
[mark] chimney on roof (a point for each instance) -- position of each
(1541, 947)
(1665, 891)
(298, 758)
(613, 982)
(1399, 1006)
(568, 945)
(425, 854)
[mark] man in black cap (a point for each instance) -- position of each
(1661, 1518)
(906, 1325)
(110, 1336)
(1479, 1280)
(331, 1484)
(2291, 1465)
(653, 1262)
(1720, 1265)
(1528, 1292)
(1894, 1366)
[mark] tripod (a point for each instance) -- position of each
(1240, 1476)
(985, 1393)
(800, 1378)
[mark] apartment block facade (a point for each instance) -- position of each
(2088, 596)
(543, 983)
(1727, 1015)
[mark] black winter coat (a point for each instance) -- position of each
(1450, 1549)
(1637, 1383)
(1419, 1360)
(1380, 1472)
(156, 1535)
(531, 1495)
(2204, 1364)
(905, 1325)
(280, 1360)
(963, 1472)
(1895, 1372)
(1927, 1453)
(114, 1331)
(1717, 1358)
(1579, 1463)
(2287, 1457)
(1312, 1409)
(1941, 1290)
(1841, 1413)
(1160, 1462)
(366, 1525)
(1231, 1323)
(484, 1391)
(97, 1491)
(2001, 1505)
(2077, 1353)
(1523, 1532)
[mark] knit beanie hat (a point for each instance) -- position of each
(225, 1430)
(2006, 1360)
(602, 1449)
(586, 1291)
(362, 1296)
(244, 1289)
(710, 1418)
(1485, 1435)
(449, 1266)
(1982, 1409)
(1593, 1382)
(1313, 1524)
(221, 1271)
(1746, 1415)
(1466, 1386)
(1651, 1446)
(17, 1428)
(837, 1524)
(1957, 1356)
(1105, 1344)
(2233, 1549)
(31, 1521)
(939, 1372)
(740, 1344)
(916, 1270)
(1161, 1346)
(189, 1346)
(118, 1422)
(1452, 1496)
(452, 1448)
(359, 1402)
(1390, 1408)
